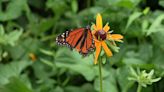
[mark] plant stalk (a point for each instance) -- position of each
(100, 75)
(139, 88)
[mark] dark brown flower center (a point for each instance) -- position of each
(100, 35)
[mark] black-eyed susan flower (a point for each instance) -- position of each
(100, 35)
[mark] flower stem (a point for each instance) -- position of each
(100, 75)
(139, 88)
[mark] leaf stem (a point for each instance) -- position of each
(139, 88)
(100, 75)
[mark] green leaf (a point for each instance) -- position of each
(47, 62)
(2, 35)
(58, 89)
(132, 18)
(141, 56)
(75, 62)
(1, 52)
(156, 25)
(9, 38)
(125, 3)
(122, 77)
(92, 10)
(12, 37)
(47, 52)
(74, 6)
(156, 79)
(15, 85)
(161, 2)
(1, 30)
(133, 61)
(145, 25)
(84, 88)
(146, 10)
(45, 24)
(41, 73)
(57, 6)
(73, 89)
(14, 10)
(11, 69)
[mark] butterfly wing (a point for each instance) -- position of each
(87, 44)
(61, 39)
(80, 39)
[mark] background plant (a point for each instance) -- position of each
(30, 26)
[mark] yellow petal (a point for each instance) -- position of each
(98, 49)
(106, 28)
(115, 37)
(106, 49)
(99, 21)
(96, 41)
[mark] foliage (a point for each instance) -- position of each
(30, 26)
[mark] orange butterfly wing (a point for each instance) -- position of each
(81, 39)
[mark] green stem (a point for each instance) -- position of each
(139, 88)
(100, 75)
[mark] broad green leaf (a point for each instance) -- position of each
(15, 85)
(157, 54)
(133, 61)
(41, 72)
(14, 10)
(92, 10)
(84, 88)
(132, 18)
(46, 24)
(73, 89)
(141, 56)
(44, 75)
(156, 25)
(74, 62)
(11, 70)
(158, 39)
(122, 77)
(125, 3)
(9, 38)
(12, 37)
(58, 89)
(88, 87)
(57, 6)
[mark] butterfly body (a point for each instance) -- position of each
(81, 39)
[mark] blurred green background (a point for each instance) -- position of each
(31, 61)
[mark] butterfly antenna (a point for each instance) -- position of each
(87, 27)
(88, 23)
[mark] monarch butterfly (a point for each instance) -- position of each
(81, 39)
